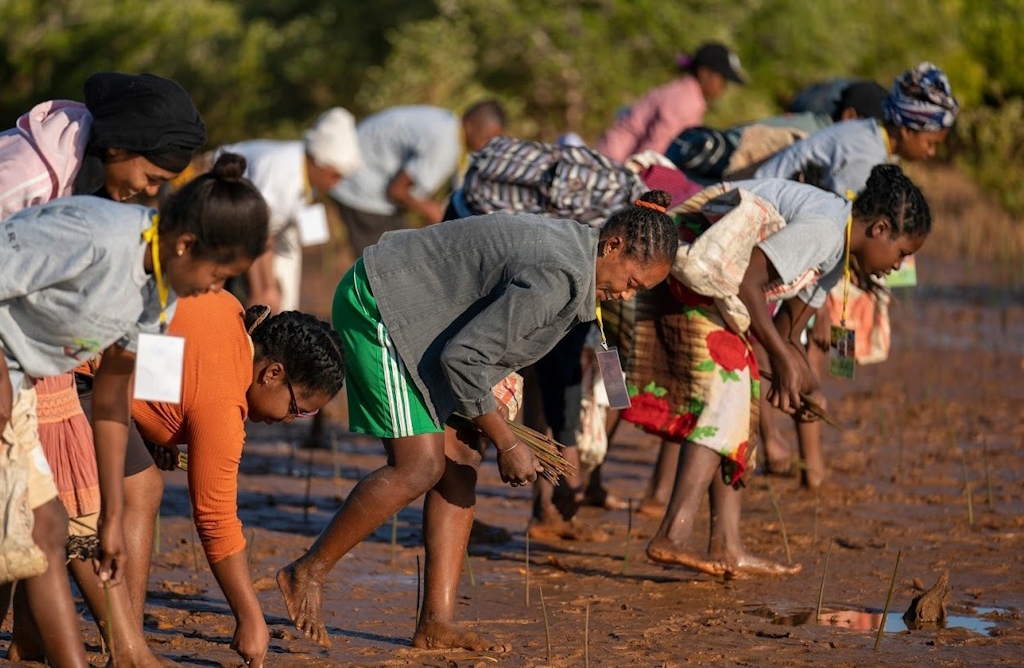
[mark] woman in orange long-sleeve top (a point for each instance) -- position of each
(238, 365)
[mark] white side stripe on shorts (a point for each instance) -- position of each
(395, 385)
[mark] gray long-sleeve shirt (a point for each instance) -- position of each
(470, 300)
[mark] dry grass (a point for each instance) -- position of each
(967, 223)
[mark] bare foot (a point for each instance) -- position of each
(439, 635)
(16, 653)
(664, 551)
(652, 507)
(483, 533)
(148, 661)
(747, 565)
(778, 456)
(565, 530)
(303, 596)
(602, 499)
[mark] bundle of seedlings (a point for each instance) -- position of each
(545, 449)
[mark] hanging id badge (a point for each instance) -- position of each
(841, 359)
(611, 374)
(611, 371)
(159, 361)
(313, 228)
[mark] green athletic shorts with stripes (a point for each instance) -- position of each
(383, 401)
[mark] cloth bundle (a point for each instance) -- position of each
(714, 264)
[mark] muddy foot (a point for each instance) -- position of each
(438, 635)
(748, 565)
(565, 530)
(150, 661)
(651, 507)
(487, 534)
(664, 551)
(303, 596)
(602, 499)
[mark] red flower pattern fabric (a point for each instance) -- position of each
(727, 350)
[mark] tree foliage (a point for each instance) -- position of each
(268, 67)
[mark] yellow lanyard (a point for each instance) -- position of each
(888, 144)
(846, 271)
(152, 237)
(600, 326)
(307, 189)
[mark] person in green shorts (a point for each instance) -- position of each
(431, 320)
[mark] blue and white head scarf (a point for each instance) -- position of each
(922, 100)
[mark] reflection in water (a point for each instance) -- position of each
(868, 620)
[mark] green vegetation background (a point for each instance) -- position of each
(268, 67)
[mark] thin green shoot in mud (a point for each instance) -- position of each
(967, 491)
(586, 638)
(821, 589)
(782, 525)
(527, 568)
(629, 535)
(547, 628)
(814, 538)
(989, 500)
(899, 457)
(888, 601)
(394, 537)
(469, 570)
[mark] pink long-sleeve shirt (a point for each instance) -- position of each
(656, 119)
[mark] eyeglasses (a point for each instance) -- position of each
(293, 406)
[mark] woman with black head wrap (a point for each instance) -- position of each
(134, 132)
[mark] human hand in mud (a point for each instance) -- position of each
(251, 641)
(110, 554)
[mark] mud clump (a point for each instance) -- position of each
(929, 609)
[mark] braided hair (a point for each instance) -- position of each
(649, 233)
(890, 194)
(308, 347)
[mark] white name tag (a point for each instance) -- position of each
(313, 229)
(611, 374)
(158, 368)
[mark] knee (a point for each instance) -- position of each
(144, 489)
(424, 473)
(50, 531)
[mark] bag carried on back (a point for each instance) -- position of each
(572, 182)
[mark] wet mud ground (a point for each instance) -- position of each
(952, 391)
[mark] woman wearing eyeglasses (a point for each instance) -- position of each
(237, 366)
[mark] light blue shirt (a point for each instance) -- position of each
(73, 283)
(838, 158)
(813, 238)
(424, 142)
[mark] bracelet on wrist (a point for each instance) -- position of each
(508, 449)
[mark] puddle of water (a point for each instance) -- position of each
(869, 620)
